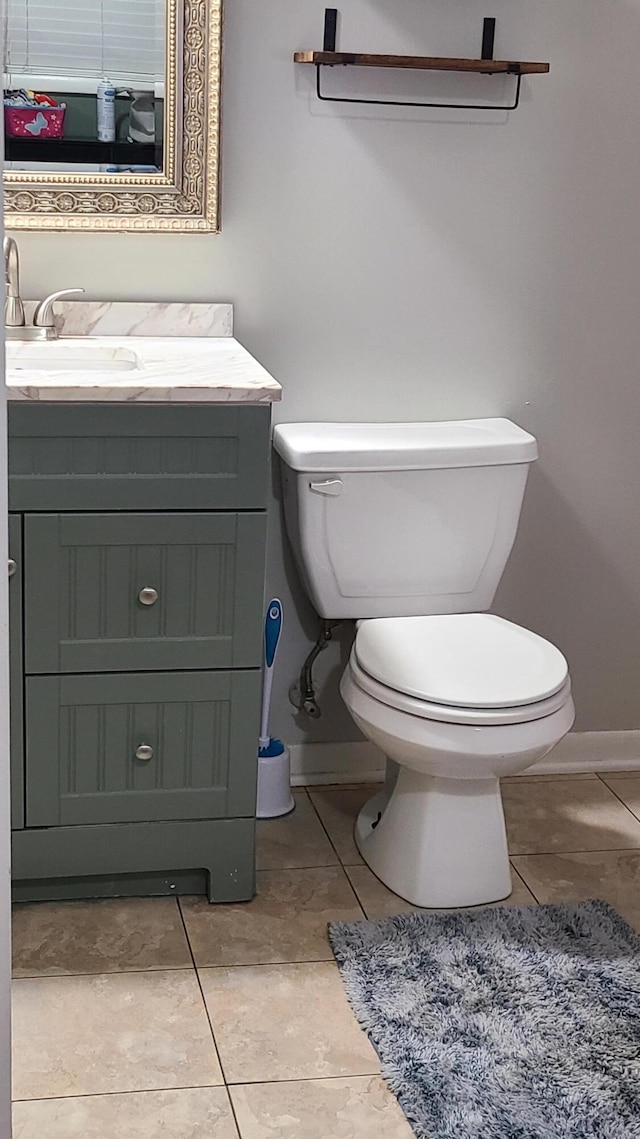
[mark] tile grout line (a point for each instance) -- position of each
(124, 1091)
(327, 834)
(269, 964)
(304, 1080)
(620, 773)
(232, 1107)
(206, 1007)
(173, 969)
(368, 916)
(524, 882)
(240, 1083)
(337, 854)
(552, 853)
(625, 805)
(303, 791)
(104, 973)
(199, 1087)
(561, 853)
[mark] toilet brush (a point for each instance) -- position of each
(274, 764)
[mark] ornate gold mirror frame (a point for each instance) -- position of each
(184, 198)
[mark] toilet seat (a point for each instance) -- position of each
(462, 660)
(477, 717)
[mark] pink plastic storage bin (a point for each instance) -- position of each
(34, 122)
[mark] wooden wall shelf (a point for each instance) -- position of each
(486, 65)
(421, 62)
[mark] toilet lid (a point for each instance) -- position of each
(464, 660)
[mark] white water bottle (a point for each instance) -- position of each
(106, 96)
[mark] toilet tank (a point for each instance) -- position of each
(402, 519)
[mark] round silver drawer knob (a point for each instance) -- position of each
(148, 596)
(11, 567)
(144, 752)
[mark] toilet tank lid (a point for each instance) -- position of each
(317, 447)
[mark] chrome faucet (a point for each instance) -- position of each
(15, 326)
(14, 308)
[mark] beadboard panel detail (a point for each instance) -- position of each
(89, 728)
(358, 761)
(134, 457)
(85, 574)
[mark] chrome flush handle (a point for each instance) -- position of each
(328, 486)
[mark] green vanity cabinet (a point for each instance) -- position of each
(16, 679)
(138, 534)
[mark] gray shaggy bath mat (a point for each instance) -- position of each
(502, 1023)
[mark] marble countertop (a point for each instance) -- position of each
(138, 369)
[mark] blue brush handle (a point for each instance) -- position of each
(272, 628)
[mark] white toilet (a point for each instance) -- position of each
(406, 528)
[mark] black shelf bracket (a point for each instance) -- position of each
(488, 40)
(488, 37)
(330, 29)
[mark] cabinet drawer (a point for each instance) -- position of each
(125, 592)
(141, 747)
(135, 457)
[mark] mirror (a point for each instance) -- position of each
(111, 112)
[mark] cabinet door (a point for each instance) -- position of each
(128, 592)
(141, 747)
(15, 671)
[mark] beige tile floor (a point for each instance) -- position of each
(148, 1017)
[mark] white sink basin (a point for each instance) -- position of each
(61, 356)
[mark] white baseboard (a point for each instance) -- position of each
(362, 762)
(352, 762)
(592, 751)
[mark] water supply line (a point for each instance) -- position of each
(302, 693)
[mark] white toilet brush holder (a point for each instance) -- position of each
(274, 761)
(274, 781)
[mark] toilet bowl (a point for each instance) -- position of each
(406, 528)
(436, 834)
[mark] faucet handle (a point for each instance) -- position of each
(43, 316)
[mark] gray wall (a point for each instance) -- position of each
(412, 264)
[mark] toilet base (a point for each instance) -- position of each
(437, 842)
